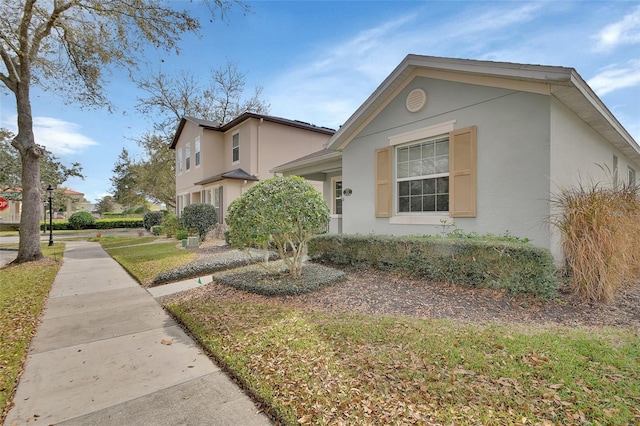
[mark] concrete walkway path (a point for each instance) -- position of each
(106, 353)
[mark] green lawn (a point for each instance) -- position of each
(143, 260)
(315, 368)
(23, 291)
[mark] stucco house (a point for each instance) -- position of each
(216, 163)
(480, 145)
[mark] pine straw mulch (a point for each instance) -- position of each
(368, 291)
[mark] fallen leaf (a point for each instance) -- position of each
(166, 341)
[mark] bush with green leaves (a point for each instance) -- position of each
(284, 211)
(81, 220)
(518, 267)
(199, 218)
(170, 224)
(152, 219)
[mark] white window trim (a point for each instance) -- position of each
(238, 160)
(197, 151)
(187, 157)
(424, 133)
(179, 161)
(414, 136)
(333, 197)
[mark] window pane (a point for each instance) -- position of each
(428, 150)
(428, 167)
(429, 203)
(442, 148)
(338, 206)
(403, 189)
(416, 203)
(415, 153)
(443, 185)
(416, 187)
(415, 168)
(403, 204)
(403, 154)
(443, 203)
(442, 164)
(403, 170)
(429, 186)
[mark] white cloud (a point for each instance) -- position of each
(625, 31)
(58, 136)
(615, 77)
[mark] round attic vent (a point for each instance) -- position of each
(416, 100)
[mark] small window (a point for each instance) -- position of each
(632, 177)
(236, 148)
(422, 176)
(187, 156)
(337, 196)
(615, 172)
(179, 160)
(197, 153)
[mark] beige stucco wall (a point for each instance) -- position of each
(263, 146)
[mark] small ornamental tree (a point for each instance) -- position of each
(285, 211)
(199, 218)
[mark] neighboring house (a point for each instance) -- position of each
(14, 211)
(216, 163)
(480, 145)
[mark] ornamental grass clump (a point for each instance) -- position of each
(600, 228)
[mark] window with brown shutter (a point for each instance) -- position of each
(463, 172)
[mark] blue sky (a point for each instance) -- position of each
(319, 60)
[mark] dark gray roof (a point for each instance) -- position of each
(237, 174)
(212, 125)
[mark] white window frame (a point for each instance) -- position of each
(409, 138)
(187, 157)
(235, 147)
(197, 152)
(335, 196)
(179, 160)
(631, 173)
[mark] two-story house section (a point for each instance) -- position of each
(216, 163)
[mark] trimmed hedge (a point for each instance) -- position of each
(99, 224)
(518, 267)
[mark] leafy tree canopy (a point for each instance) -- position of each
(67, 46)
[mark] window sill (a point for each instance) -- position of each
(443, 219)
(335, 216)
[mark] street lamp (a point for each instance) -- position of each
(50, 192)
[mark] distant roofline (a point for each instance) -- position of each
(212, 125)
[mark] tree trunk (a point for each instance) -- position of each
(29, 247)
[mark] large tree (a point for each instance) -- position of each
(66, 46)
(52, 171)
(126, 191)
(168, 98)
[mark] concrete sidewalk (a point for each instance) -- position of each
(106, 353)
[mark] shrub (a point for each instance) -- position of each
(170, 224)
(285, 211)
(600, 228)
(474, 262)
(157, 230)
(152, 219)
(199, 218)
(182, 234)
(81, 220)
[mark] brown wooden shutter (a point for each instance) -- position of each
(463, 172)
(384, 187)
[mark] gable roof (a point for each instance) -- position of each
(565, 84)
(215, 126)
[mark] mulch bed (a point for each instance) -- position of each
(368, 291)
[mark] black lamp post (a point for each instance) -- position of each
(50, 192)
